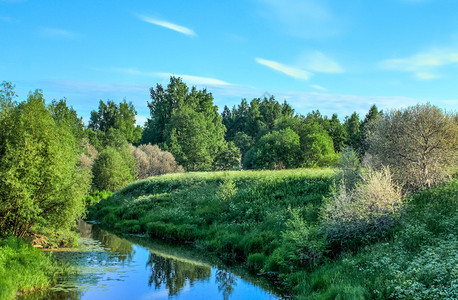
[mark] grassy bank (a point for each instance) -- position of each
(24, 268)
(418, 261)
(238, 215)
(270, 222)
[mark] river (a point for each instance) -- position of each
(113, 267)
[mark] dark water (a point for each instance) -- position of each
(110, 267)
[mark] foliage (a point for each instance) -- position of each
(65, 116)
(364, 213)
(303, 246)
(350, 168)
(418, 262)
(233, 214)
(7, 98)
(113, 116)
(275, 149)
(419, 143)
(96, 196)
(111, 169)
(24, 268)
(152, 161)
(186, 123)
(39, 181)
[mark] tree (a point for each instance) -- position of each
(279, 149)
(419, 143)
(65, 116)
(371, 116)
(352, 129)
(337, 133)
(120, 117)
(186, 123)
(7, 97)
(152, 161)
(193, 140)
(111, 170)
(317, 147)
(40, 184)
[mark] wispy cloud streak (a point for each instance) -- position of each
(288, 70)
(178, 28)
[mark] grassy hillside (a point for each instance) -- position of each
(270, 222)
(234, 214)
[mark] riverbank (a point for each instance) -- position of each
(239, 216)
(268, 221)
(24, 268)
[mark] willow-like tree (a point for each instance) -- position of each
(419, 143)
(40, 184)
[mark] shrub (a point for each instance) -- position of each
(419, 144)
(152, 161)
(364, 213)
(111, 170)
(255, 261)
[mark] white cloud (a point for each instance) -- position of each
(319, 62)
(57, 33)
(318, 87)
(171, 26)
(423, 64)
(425, 76)
(288, 70)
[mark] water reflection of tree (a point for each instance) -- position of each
(226, 282)
(108, 240)
(174, 274)
(52, 294)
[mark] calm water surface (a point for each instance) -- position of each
(111, 267)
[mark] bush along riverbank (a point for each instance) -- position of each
(24, 268)
(316, 239)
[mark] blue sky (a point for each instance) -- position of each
(335, 56)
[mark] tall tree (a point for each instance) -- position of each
(352, 129)
(120, 117)
(40, 183)
(67, 116)
(337, 133)
(419, 144)
(185, 122)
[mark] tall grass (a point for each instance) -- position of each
(235, 214)
(24, 268)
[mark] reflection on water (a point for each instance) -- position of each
(110, 267)
(175, 274)
(226, 282)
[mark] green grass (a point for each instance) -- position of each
(233, 214)
(270, 222)
(24, 268)
(420, 261)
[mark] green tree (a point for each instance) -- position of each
(317, 147)
(111, 170)
(40, 184)
(65, 116)
(7, 97)
(371, 116)
(113, 116)
(186, 123)
(337, 133)
(279, 149)
(352, 129)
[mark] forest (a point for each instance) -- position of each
(325, 197)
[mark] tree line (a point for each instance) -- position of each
(50, 160)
